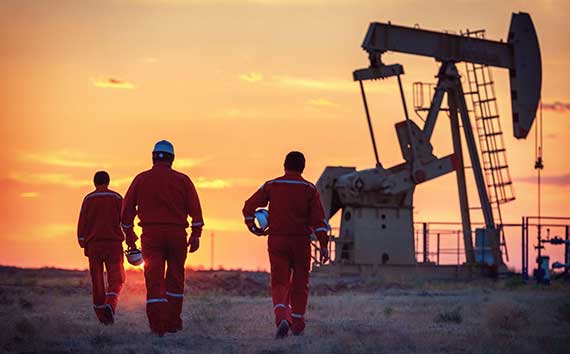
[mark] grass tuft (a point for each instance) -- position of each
(506, 316)
(514, 283)
(26, 304)
(450, 316)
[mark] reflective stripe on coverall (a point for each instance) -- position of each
(99, 233)
(295, 211)
(163, 198)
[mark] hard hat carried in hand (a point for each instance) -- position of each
(134, 256)
(261, 221)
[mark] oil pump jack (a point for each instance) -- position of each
(376, 204)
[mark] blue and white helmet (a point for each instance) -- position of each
(164, 146)
(261, 220)
(134, 256)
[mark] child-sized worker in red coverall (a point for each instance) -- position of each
(99, 233)
(295, 212)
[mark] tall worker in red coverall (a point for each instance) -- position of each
(163, 199)
(295, 212)
(99, 233)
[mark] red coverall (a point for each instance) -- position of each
(295, 211)
(99, 233)
(163, 198)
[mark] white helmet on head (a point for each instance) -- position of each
(261, 221)
(164, 146)
(134, 256)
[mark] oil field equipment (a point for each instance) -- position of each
(376, 204)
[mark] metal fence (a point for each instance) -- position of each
(441, 243)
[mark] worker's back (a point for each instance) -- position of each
(294, 206)
(163, 196)
(100, 216)
(290, 200)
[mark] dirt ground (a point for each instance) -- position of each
(49, 311)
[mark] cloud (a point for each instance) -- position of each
(60, 158)
(244, 182)
(49, 179)
(54, 230)
(233, 112)
(559, 181)
(306, 83)
(63, 179)
(206, 183)
(149, 60)
(215, 224)
(67, 180)
(121, 182)
(560, 107)
(331, 85)
(246, 2)
(239, 113)
(111, 82)
(29, 195)
(321, 102)
(186, 162)
(251, 77)
(222, 183)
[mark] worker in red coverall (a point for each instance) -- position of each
(163, 199)
(295, 212)
(99, 233)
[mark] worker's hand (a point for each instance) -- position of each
(131, 244)
(324, 255)
(257, 232)
(253, 229)
(194, 243)
(196, 232)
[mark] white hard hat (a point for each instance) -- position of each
(261, 219)
(164, 146)
(134, 256)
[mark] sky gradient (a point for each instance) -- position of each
(234, 85)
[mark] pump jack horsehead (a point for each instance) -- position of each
(376, 220)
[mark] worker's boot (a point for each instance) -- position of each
(109, 317)
(282, 330)
(298, 326)
(174, 309)
(174, 327)
(158, 330)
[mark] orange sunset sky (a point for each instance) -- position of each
(235, 85)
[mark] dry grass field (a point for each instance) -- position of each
(49, 311)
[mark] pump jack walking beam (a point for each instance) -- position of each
(520, 54)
